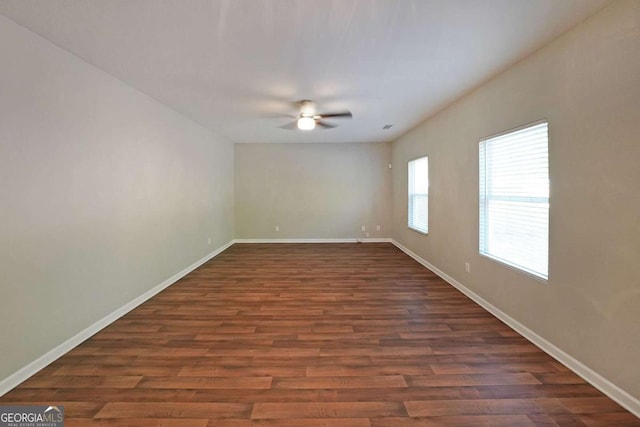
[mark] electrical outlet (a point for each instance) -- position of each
(377, 228)
(209, 241)
(364, 228)
(467, 267)
(277, 228)
(367, 234)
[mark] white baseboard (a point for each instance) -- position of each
(345, 240)
(24, 373)
(617, 394)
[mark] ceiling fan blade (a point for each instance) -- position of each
(290, 126)
(324, 125)
(338, 114)
(278, 116)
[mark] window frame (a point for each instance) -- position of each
(483, 206)
(411, 196)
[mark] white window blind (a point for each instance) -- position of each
(514, 199)
(419, 194)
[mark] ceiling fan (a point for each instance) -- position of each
(308, 119)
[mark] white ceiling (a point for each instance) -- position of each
(233, 65)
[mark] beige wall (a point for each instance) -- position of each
(312, 190)
(105, 194)
(587, 84)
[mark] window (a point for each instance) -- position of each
(514, 199)
(419, 194)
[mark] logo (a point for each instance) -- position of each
(32, 416)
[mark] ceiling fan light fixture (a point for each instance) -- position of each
(306, 123)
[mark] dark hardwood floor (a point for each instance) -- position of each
(340, 335)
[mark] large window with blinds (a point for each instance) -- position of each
(514, 198)
(419, 194)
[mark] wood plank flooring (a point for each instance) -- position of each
(341, 335)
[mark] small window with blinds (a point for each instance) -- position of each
(514, 199)
(419, 194)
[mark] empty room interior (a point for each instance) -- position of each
(356, 213)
